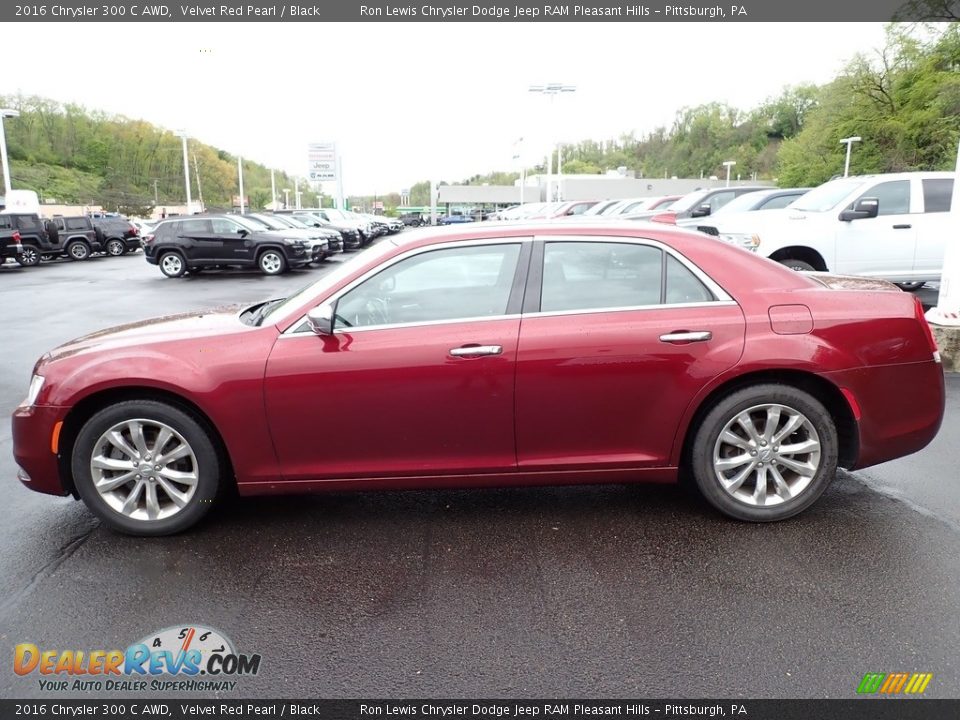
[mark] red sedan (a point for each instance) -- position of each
(494, 355)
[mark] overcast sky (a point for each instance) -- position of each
(410, 101)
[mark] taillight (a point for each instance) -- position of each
(668, 218)
(133, 229)
(922, 319)
(147, 239)
(16, 236)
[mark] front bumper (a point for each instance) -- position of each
(33, 450)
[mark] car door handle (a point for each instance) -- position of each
(902, 227)
(685, 336)
(476, 350)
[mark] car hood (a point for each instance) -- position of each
(784, 219)
(207, 323)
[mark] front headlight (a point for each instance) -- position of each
(293, 241)
(750, 242)
(33, 392)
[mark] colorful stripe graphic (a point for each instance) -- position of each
(894, 683)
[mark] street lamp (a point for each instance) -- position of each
(6, 113)
(849, 143)
(729, 164)
(286, 198)
(186, 170)
(551, 90)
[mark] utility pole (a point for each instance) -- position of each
(156, 193)
(240, 173)
(186, 171)
(273, 190)
(196, 171)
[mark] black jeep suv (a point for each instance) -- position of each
(190, 244)
(117, 234)
(74, 237)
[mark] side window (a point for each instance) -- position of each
(222, 226)
(937, 195)
(683, 286)
(76, 224)
(775, 203)
(194, 226)
(720, 199)
(591, 275)
(27, 222)
(894, 197)
(449, 284)
(5, 222)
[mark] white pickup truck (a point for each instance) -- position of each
(892, 226)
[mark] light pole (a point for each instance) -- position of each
(729, 164)
(551, 90)
(240, 174)
(849, 143)
(296, 192)
(186, 170)
(6, 113)
(273, 191)
(286, 198)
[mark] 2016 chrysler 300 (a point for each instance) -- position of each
(494, 356)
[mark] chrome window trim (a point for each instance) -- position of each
(297, 329)
(518, 240)
(712, 286)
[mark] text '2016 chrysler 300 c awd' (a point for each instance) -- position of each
(494, 355)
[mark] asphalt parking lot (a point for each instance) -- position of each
(619, 591)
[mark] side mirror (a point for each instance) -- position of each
(321, 319)
(702, 211)
(863, 209)
(242, 232)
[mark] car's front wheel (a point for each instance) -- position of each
(115, 248)
(172, 264)
(272, 262)
(798, 265)
(765, 452)
(145, 467)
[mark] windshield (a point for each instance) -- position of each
(827, 196)
(315, 289)
(743, 203)
(335, 214)
(292, 221)
(269, 222)
(248, 223)
(688, 202)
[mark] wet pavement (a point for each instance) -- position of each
(626, 591)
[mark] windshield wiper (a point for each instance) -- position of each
(262, 310)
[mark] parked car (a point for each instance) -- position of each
(697, 204)
(635, 205)
(345, 219)
(116, 234)
(892, 226)
(454, 219)
(773, 199)
(328, 241)
(352, 239)
(10, 247)
(73, 237)
(600, 207)
(193, 243)
(675, 353)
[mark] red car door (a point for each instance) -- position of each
(622, 337)
(418, 377)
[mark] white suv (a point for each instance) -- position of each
(892, 226)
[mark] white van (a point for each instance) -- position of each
(893, 226)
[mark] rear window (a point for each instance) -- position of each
(937, 194)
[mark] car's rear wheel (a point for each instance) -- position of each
(172, 264)
(795, 264)
(115, 248)
(29, 257)
(910, 286)
(765, 452)
(145, 467)
(78, 250)
(272, 262)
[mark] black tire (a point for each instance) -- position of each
(169, 266)
(910, 286)
(706, 441)
(272, 262)
(207, 466)
(799, 265)
(53, 232)
(29, 257)
(77, 250)
(115, 247)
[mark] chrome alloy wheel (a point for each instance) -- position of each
(171, 264)
(144, 469)
(271, 262)
(766, 455)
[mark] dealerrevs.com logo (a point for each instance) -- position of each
(180, 658)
